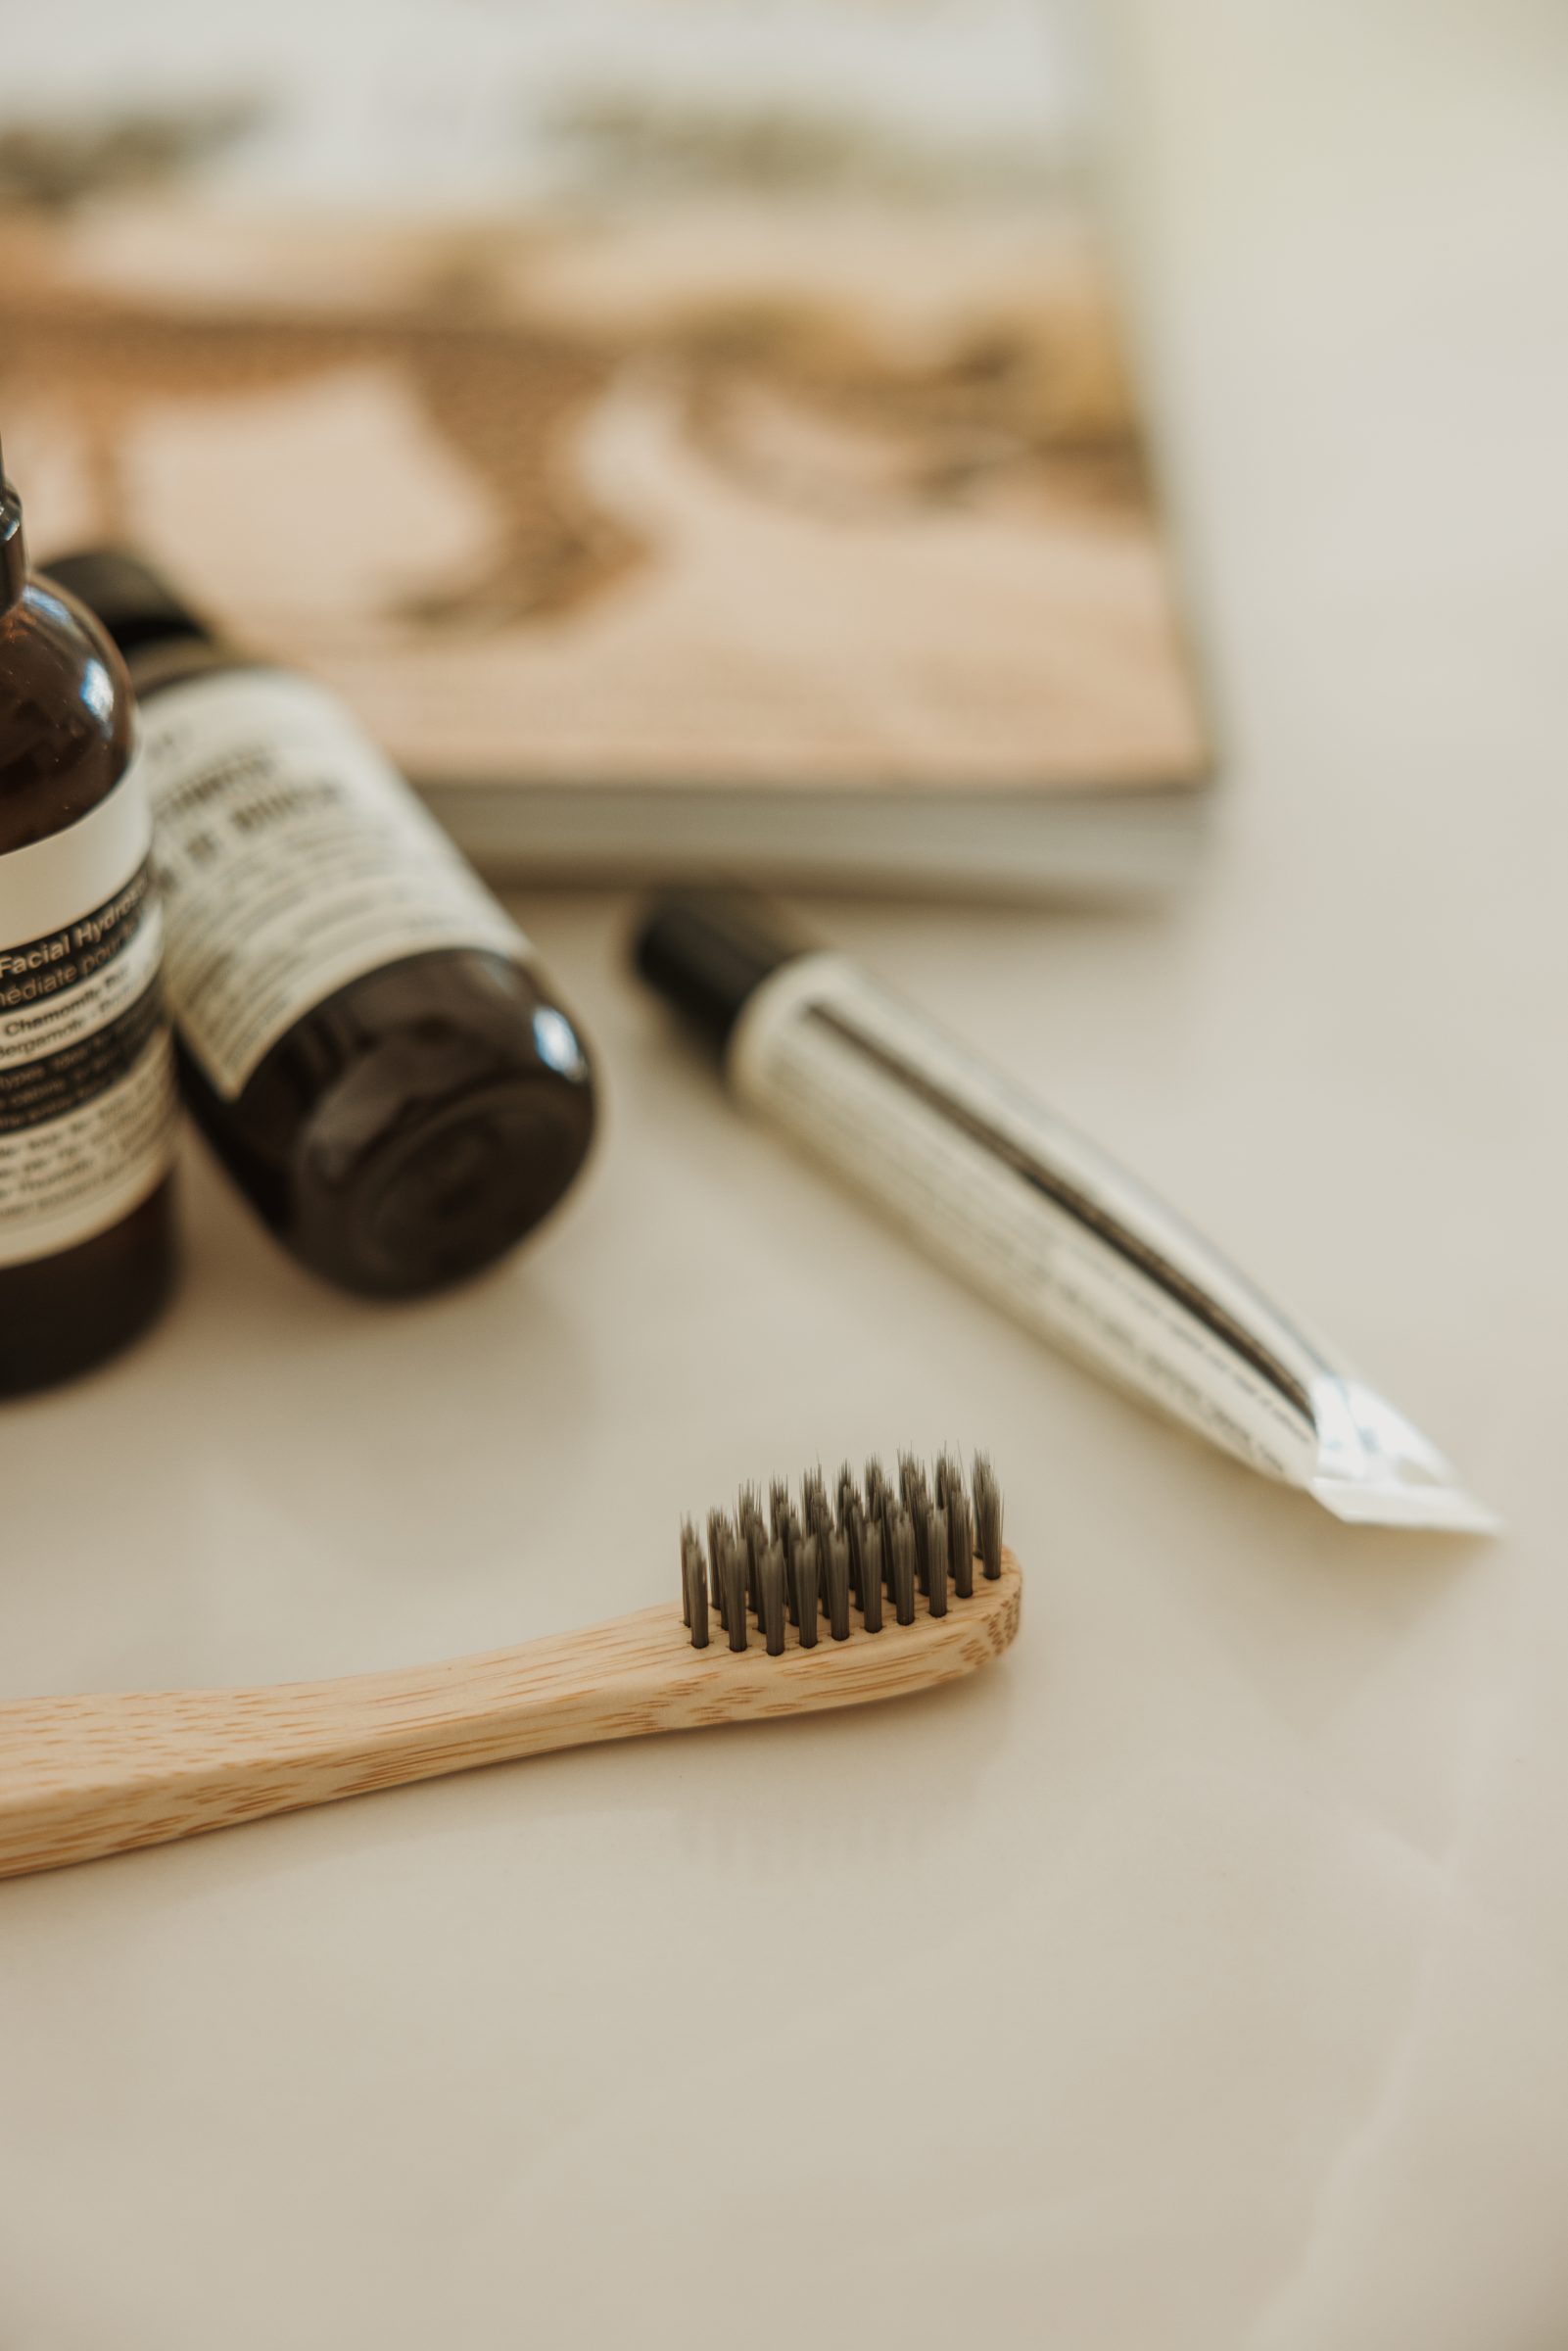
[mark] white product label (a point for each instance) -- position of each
(1029, 1211)
(292, 858)
(86, 1081)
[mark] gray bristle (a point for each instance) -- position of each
(987, 1515)
(848, 1494)
(793, 1538)
(689, 1536)
(808, 1579)
(901, 1566)
(718, 1528)
(773, 1599)
(753, 1542)
(961, 1543)
(843, 1553)
(695, 1586)
(796, 1538)
(720, 1532)
(871, 1576)
(853, 1530)
(836, 1561)
(734, 1571)
(759, 1535)
(921, 1516)
(936, 1560)
(815, 1507)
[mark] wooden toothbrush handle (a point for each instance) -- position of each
(85, 1776)
(91, 1775)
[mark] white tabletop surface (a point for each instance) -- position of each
(1197, 1977)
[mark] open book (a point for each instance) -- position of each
(682, 473)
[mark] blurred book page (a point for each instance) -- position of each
(671, 393)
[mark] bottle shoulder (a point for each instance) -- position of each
(422, 1026)
(500, 1012)
(66, 715)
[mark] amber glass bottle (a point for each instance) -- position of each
(86, 1092)
(363, 1034)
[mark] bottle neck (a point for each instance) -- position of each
(13, 548)
(13, 544)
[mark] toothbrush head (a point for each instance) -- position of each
(868, 1556)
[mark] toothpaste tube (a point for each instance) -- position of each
(1035, 1217)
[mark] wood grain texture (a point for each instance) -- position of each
(85, 1776)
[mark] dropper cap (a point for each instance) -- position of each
(706, 952)
(13, 544)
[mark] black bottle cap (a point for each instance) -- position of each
(135, 602)
(706, 951)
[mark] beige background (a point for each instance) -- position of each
(1196, 1978)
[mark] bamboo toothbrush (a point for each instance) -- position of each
(868, 1591)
